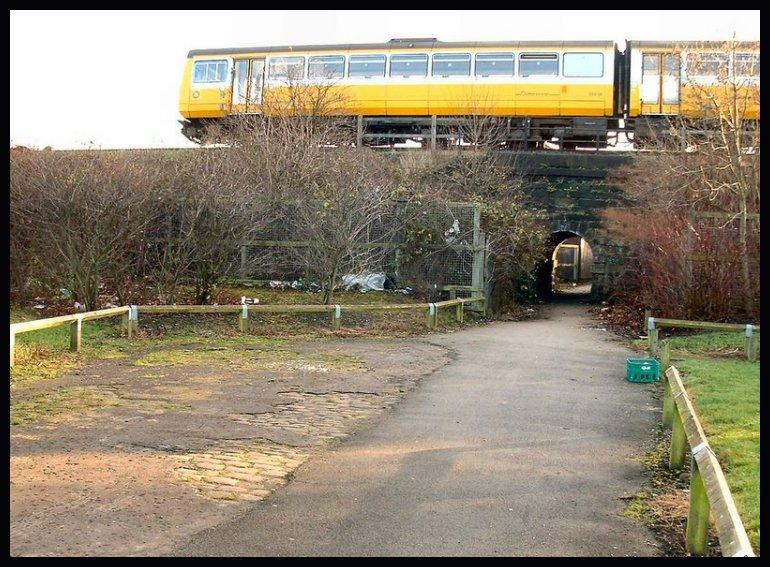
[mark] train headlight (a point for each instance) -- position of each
(196, 94)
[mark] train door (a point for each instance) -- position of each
(240, 86)
(247, 85)
(660, 83)
(256, 80)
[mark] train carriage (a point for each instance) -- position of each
(573, 92)
(668, 80)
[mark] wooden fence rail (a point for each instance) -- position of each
(131, 315)
(74, 321)
(652, 324)
(709, 492)
(335, 311)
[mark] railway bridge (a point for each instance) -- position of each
(572, 189)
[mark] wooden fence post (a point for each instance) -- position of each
(751, 353)
(678, 442)
(243, 272)
(460, 312)
(336, 316)
(13, 346)
(652, 336)
(665, 355)
(668, 405)
(697, 531)
(133, 320)
(243, 320)
(668, 398)
(76, 334)
(125, 321)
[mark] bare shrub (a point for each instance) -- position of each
(78, 218)
(328, 198)
(346, 218)
(199, 219)
(683, 269)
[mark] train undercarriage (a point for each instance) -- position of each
(443, 132)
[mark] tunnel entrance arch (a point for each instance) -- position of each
(567, 269)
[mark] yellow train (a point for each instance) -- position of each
(573, 92)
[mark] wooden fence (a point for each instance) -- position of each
(131, 315)
(74, 321)
(652, 324)
(709, 492)
(335, 311)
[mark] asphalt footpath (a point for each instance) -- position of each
(526, 444)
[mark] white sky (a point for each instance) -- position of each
(111, 79)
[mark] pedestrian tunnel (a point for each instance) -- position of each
(568, 266)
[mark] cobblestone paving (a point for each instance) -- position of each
(240, 473)
(251, 472)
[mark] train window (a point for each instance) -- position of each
(286, 68)
(707, 64)
(366, 66)
(538, 64)
(671, 64)
(651, 64)
(210, 71)
(451, 64)
(747, 65)
(583, 64)
(412, 65)
(326, 67)
(494, 64)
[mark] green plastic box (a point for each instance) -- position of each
(642, 370)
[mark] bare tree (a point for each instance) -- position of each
(200, 218)
(297, 161)
(346, 219)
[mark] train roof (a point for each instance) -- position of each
(418, 43)
(693, 43)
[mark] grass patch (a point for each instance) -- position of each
(243, 354)
(45, 354)
(716, 344)
(711, 344)
(51, 406)
(639, 508)
(726, 397)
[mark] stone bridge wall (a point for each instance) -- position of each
(572, 189)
